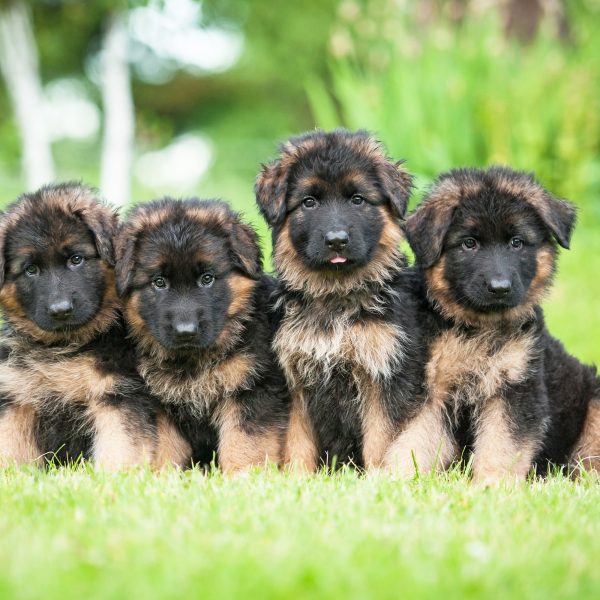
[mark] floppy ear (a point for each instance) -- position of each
(245, 251)
(125, 243)
(559, 216)
(103, 223)
(271, 189)
(397, 185)
(426, 230)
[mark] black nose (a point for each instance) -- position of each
(186, 330)
(499, 287)
(61, 309)
(337, 240)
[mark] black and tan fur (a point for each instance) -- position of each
(196, 305)
(498, 383)
(347, 338)
(68, 387)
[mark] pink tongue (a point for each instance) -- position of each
(337, 260)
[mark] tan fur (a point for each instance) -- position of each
(17, 443)
(444, 198)
(136, 324)
(426, 440)
(31, 378)
(241, 289)
(240, 450)
(497, 455)
(529, 190)
(149, 220)
(115, 447)
(33, 381)
(171, 448)
(587, 448)
(472, 370)
(308, 349)
(300, 451)
(73, 200)
(545, 264)
(212, 380)
(376, 426)
(386, 260)
(475, 368)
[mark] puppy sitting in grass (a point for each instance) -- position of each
(347, 339)
(498, 383)
(68, 386)
(195, 301)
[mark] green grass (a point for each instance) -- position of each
(76, 533)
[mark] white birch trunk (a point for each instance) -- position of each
(20, 69)
(119, 115)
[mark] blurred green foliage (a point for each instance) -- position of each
(440, 83)
(446, 93)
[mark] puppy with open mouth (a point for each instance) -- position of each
(195, 300)
(498, 384)
(347, 337)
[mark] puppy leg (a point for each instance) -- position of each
(17, 439)
(497, 454)
(425, 440)
(377, 431)
(118, 441)
(587, 449)
(239, 450)
(300, 451)
(172, 448)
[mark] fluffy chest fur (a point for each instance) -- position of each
(315, 339)
(41, 381)
(198, 387)
(474, 367)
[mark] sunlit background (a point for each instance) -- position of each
(180, 97)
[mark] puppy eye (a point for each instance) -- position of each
(516, 243)
(470, 243)
(357, 199)
(309, 202)
(76, 259)
(32, 270)
(206, 279)
(159, 282)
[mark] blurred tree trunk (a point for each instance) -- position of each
(20, 69)
(119, 113)
(522, 18)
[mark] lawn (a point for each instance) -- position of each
(76, 533)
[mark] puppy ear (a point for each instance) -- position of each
(271, 189)
(397, 185)
(125, 244)
(559, 216)
(245, 250)
(103, 223)
(426, 230)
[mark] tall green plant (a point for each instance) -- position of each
(444, 93)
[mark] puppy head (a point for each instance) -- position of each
(487, 241)
(56, 259)
(187, 271)
(334, 201)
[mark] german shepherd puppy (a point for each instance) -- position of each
(195, 300)
(67, 381)
(347, 339)
(486, 243)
